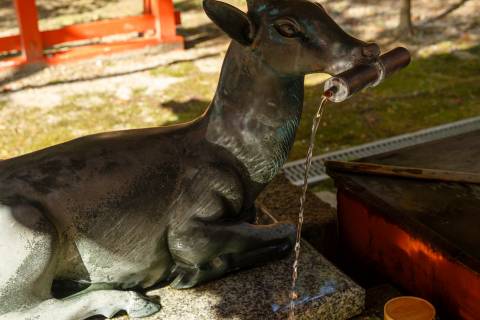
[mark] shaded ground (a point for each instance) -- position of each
(44, 106)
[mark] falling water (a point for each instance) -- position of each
(316, 122)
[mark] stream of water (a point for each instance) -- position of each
(316, 123)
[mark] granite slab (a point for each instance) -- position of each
(262, 293)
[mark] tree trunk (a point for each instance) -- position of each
(405, 26)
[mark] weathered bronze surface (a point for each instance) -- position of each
(115, 212)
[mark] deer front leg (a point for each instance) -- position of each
(205, 251)
(82, 306)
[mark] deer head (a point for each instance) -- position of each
(293, 37)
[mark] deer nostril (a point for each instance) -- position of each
(371, 50)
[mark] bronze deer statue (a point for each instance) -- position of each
(115, 212)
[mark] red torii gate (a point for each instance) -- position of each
(158, 15)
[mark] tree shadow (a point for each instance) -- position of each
(5, 4)
(199, 35)
(186, 110)
(25, 71)
(188, 5)
(20, 73)
(56, 8)
(7, 15)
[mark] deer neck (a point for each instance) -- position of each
(255, 113)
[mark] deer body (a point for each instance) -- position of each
(115, 212)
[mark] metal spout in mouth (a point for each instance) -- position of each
(342, 86)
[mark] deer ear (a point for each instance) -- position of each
(231, 20)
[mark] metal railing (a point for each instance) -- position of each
(294, 170)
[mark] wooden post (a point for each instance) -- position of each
(31, 40)
(404, 172)
(164, 14)
(147, 6)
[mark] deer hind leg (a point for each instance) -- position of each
(205, 251)
(106, 303)
(27, 246)
(27, 243)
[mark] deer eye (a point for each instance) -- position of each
(287, 28)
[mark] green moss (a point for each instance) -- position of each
(181, 69)
(36, 128)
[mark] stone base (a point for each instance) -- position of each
(262, 294)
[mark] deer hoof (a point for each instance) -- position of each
(140, 306)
